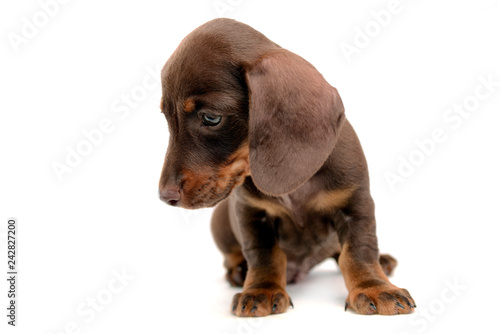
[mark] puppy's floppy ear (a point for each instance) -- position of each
(294, 120)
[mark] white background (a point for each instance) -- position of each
(104, 216)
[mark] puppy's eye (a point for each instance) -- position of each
(211, 120)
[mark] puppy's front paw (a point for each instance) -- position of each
(261, 300)
(379, 297)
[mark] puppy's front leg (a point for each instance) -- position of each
(264, 288)
(370, 291)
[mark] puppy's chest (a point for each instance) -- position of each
(305, 220)
(307, 238)
(303, 230)
(305, 225)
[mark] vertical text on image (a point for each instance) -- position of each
(12, 271)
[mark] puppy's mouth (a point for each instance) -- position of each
(209, 195)
(206, 187)
(208, 191)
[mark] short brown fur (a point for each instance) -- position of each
(281, 161)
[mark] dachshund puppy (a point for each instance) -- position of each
(257, 130)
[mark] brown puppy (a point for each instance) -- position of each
(257, 129)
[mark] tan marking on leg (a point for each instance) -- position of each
(274, 273)
(355, 273)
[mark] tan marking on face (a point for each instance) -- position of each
(207, 186)
(237, 165)
(189, 105)
(327, 200)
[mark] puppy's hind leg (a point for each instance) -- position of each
(224, 238)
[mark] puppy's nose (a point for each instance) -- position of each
(170, 195)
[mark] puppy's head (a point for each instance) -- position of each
(237, 106)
